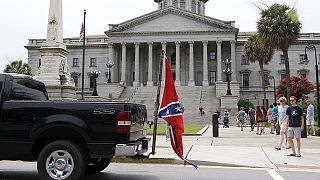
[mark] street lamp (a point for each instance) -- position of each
(109, 64)
(274, 88)
(95, 75)
(306, 61)
(228, 71)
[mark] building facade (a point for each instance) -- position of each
(195, 45)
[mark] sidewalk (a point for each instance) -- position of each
(244, 149)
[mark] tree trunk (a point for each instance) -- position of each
(263, 83)
(286, 62)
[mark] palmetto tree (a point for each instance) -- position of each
(279, 27)
(18, 67)
(255, 52)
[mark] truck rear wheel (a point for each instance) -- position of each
(98, 165)
(61, 160)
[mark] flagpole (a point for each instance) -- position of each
(83, 53)
(157, 104)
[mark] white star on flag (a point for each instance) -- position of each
(168, 111)
(178, 108)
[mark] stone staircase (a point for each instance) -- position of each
(111, 91)
(190, 97)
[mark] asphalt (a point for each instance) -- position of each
(235, 148)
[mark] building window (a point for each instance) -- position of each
(212, 77)
(244, 60)
(93, 62)
(199, 7)
(173, 59)
(39, 63)
(75, 62)
(303, 75)
(212, 55)
(281, 59)
(301, 58)
(183, 4)
(193, 6)
(175, 3)
(76, 80)
(165, 4)
(283, 76)
(91, 82)
(245, 80)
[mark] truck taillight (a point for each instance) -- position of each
(123, 123)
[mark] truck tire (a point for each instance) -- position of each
(97, 165)
(61, 160)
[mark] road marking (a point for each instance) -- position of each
(274, 175)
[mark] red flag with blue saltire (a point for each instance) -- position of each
(171, 110)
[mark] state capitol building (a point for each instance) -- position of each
(196, 47)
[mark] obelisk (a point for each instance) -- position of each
(54, 65)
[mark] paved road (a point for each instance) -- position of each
(23, 171)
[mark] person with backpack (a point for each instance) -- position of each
(241, 118)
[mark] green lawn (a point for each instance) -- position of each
(188, 129)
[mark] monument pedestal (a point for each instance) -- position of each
(230, 103)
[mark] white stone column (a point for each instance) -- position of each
(233, 59)
(137, 65)
(178, 1)
(219, 61)
(191, 65)
(111, 58)
(177, 82)
(205, 63)
(123, 63)
(150, 63)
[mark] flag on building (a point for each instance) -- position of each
(171, 110)
(82, 32)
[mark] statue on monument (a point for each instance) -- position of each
(52, 28)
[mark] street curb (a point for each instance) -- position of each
(177, 161)
(144, 160)
(199, 133)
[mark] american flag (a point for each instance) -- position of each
(82, 32)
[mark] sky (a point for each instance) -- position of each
(27, 19)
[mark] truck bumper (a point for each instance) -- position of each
(132, 149)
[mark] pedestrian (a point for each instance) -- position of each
(259, 120)
(282, 109)
(251, 114)
(295, 120)
(226, 119)
(271, 118)
(275, 110)
(201, 110)
(241, 118)
(264, 123)
(218, 114)
(310, 118)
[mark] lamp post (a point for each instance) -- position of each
(109, 65)
(95, 75)
(306, 61)
(274, 88)
(228, 71)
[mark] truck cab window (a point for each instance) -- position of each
(27, 89)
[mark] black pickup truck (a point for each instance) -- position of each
(66, 138)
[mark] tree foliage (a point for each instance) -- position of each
(245, 103)
(256, 52)
(18, 67)
(299, 87)
(279, 27)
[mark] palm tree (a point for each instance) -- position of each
(279, 27)
(254, 51)
(18, 67)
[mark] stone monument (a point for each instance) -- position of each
(54, 66)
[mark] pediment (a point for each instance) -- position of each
(171, 19)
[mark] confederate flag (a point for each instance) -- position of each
(171, 111)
